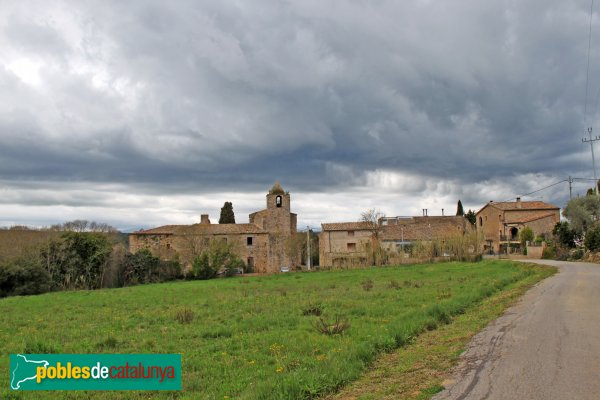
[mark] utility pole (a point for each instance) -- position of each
(402, 238)
(591, 142)
(570, 188)
(308, 247)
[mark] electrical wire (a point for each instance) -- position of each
(587, 74)
(538, 190)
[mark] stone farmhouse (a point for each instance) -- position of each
(500, 223)
(262, 243)
(345, 243)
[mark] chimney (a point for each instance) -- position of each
(519, 205)
(442, 212)
(204, 219)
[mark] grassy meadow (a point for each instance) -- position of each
(254, 337)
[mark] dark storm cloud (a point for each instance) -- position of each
(220, 95)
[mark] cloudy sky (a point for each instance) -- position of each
(142, 113)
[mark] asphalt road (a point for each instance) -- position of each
(545, 347)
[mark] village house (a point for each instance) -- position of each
(347, 242)
(500, 223)
(263, 243)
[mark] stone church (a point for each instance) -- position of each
(263, 243)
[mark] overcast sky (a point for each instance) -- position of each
(143, 113)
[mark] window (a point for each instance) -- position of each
(350, 233)
(168, 245)
(480, 221)
(278, 201)
(249, 241)
(351, 246)
(499, 217)
(250, 263)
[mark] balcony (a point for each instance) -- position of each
(509, 238)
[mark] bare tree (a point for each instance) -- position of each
(372, 219)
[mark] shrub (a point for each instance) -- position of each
(592, 238)
(201, 268)
(367, 285)
(141, 267)
(313, 309)
(170, 270)
(577, 254)
(184, 315)
(526, 235)
(549, 253)
(564, 234)
(339, 326)
(23, 277)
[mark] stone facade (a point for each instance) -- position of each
(345, 243)
(500, 223)
(263, 243)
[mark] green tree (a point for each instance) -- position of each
(592, 238)
(219, 257)
(459, 209)
(471, 217)
(526, 235)
(22, 277)
(564, 234)
(140, 267)
(582, 213)
(227, 215)
(201, 268)
(76, 260)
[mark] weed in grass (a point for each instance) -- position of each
(37, 347)
(109, 343)
(367, 285)
(444, 293)
(339, 326)
(184, 315)
(282, 292)
(313, 309)
(394, 284)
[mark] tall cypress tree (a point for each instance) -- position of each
(227, 215)
(459, 209)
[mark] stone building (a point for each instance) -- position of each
(346, 242)
(500, 223)
(263, 243)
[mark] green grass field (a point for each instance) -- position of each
(248, 338)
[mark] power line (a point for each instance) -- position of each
(538, 190)
(587, 74)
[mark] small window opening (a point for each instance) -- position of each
(351, 246)
(249, 241)
(278, 201)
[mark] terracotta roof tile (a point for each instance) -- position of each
(525, 205)
(346, 226)
(425, 228)
(529, 219)
(203, 229)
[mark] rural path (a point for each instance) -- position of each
(545, 347)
